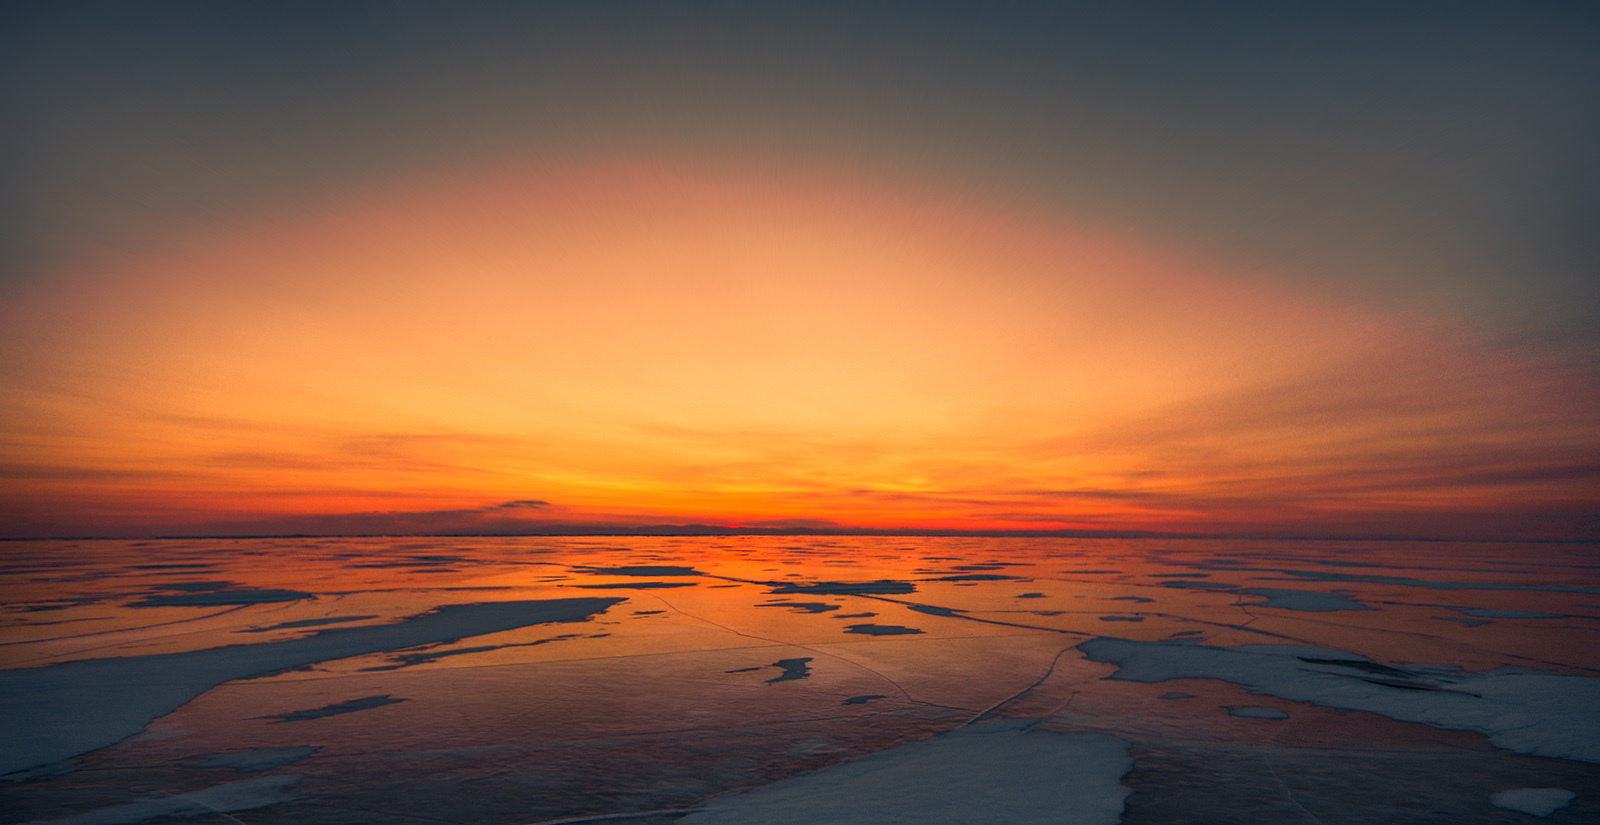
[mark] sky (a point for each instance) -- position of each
(1269, 269)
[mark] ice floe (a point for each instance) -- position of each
(1485, 613)
(1282, 598)
(63, 767)
(335, 709)
(243, 795)
(1256, 712)
(884, 587)
(1305, 600)
(259, 759)
(804, 607)
(995, 773)
(1535, 801)
(48, 714)
(1406, 581)
(1528, 711)
(303, 623)
(792, 669)
(640, 570)
(882, 630)
(217, 598)
(635, 586)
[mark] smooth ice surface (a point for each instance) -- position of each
(681, 698)
(225, 798)
(1484, 613)
(1407, 581)
(221, 597)
(258, 759)
(1256, 712)
(989, 774)
(52, 713)
(1535, 801)
(61, 768)
(1305, 600)
(1528, 711)
(335, 709)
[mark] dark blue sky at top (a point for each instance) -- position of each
(1436, 156)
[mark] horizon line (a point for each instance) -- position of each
(705, 530)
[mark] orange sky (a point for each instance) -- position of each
(673, 343)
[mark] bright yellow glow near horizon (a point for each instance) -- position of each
(648, 343)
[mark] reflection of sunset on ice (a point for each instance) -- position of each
(662, 673)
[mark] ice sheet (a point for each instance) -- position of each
(243, 795)
(685, 694)
(258, 759)
(1535, 801)
(1303, 600)
(48, 714)
(995, 773)
(1524, 710)
(1256, 712)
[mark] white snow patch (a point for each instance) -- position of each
(1536, 801)
(48, 714)
(996, 773)
(224, 798)
(1528, 711)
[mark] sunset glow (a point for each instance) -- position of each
(819, 413)
(524, 347)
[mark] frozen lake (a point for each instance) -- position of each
(523, 680)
